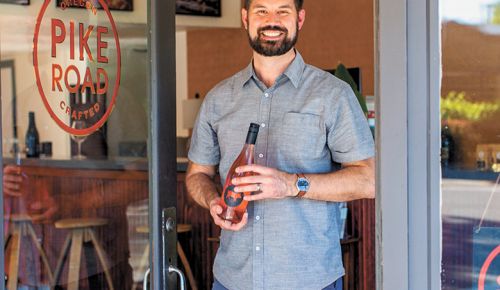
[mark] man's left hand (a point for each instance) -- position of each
(269, 183)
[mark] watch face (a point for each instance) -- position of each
(303, 184)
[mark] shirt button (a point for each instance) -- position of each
(257, 248)
(257, 217)
(263, 125)
(261, 155)
(266, 95)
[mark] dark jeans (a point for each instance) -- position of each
(337, 285)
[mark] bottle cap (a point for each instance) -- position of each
(254, 128)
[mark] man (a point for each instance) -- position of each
(310, 120)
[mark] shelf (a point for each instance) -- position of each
(459, 173)
(136, 164)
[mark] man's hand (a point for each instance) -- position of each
(270, 183)
(47, 209)
(216, 209)
(12, 181)
(42, 209)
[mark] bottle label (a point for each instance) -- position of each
(232, 198)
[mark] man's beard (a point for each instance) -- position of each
(273, 48)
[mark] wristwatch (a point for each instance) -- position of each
(302, 185)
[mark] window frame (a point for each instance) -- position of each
(408, 201)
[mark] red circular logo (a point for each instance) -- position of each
(75, 56)
(486, 266)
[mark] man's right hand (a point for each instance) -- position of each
(216, 209)
(12, 180)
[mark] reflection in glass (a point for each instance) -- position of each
(470, 114)
(43, 193)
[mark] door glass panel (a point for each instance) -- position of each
(76, 203)
(470, 114)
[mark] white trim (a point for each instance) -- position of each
(419, 144)
(391, 138)
(408, 141)
(435, 226)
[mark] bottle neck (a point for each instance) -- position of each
(31, 120)
(251, 138)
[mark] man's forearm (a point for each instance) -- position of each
(349, 183)
(355, 180)
(202, 188)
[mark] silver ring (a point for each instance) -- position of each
(258, 187)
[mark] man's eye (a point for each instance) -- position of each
(261, 12)
(283, 12)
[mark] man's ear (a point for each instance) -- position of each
(244, 18)
(302, 18)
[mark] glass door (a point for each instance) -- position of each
(88, 144)
(470, 144)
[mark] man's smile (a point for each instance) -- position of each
(271, 33)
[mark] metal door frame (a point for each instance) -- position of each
(162, 135)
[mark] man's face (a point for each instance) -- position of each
(272, 25)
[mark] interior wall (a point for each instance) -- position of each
(334, 31)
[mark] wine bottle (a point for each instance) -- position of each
(447, 146)
(233, 204)
(32, 139)
(481, 161)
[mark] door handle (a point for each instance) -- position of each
(182, 278)
(169, 244)
(145, 281)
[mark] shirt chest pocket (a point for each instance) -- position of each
(302, 135)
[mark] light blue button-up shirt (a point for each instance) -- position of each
(310, 121)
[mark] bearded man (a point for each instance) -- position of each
(310, 121)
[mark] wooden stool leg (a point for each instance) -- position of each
(32, 233)
(7, 241)
(185, 262)
(62, 259)
(75, 259)
(102, 257)
(144, 263)
(14, 258)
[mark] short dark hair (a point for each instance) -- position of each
(298, 4)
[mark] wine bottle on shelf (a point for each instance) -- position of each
(32, 139)
(233, 204)
(447, 146)
(481, 161)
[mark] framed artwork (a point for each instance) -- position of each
(198, 7)
(122, 5)
(18, 2)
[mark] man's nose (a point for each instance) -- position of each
(273, 18)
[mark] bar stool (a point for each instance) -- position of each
(22, 226)
(81, 230)
(181, 228)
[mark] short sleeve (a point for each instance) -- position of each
(349, 136)
(204, 148)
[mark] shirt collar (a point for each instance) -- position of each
(294, 71)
